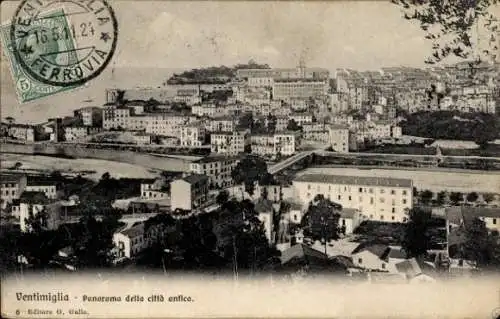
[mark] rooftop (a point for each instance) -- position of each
(195, 178)
(379, 250)
(354, 180)
(457, 214)
(33, 198)
(134, 231)
(301, 251)
(216, 158)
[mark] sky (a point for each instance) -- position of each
(362, 35)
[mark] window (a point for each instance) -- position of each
(404, 193)
(360, 189)
(370, 190)
(343, 222)
(350, 198)
(339, 197)
(382, 191)
(308, 186)
(393, 210)
(382, 200)
(404, 201)
(371, 200)
(360, 260)
(381, 217)
(393, 218)
(393, 192)
(360, 199)
(295, 217)
(494, 221)
(383, 266)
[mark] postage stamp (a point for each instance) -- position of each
(64, 55)
(28, 88)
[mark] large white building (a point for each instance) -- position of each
(339, 138)
(377, 198)
(301, 88)
(228, 143)
(189, 192)
(283, 143)
(217, 168)
(192, 135)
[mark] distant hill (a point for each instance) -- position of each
(212, 75)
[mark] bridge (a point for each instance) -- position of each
(276, 168)
(289, 162)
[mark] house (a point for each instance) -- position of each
(11, 187)
(349, 219)
(295, 213)
(301, 257)
(377, 257)
(153, 189)
(217, 167)
(131, 241)
(416, 271)
(32, 203)
(189, 192)
(266, 210)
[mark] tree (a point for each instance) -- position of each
(36, 222)
(453, 25)
(426, 196)
(416, 239)
(488, 197)
(250, 170)
(321, 219)
(472, 197)
(475, 248)
(293, 126)
(456, 197)
(94, 244)
(222, 197)
(441, 198)
(10, 120)
(240, 235)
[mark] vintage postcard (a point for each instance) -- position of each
(288, 159)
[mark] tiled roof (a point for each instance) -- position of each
(263, 206)
(376, 249)
(134, 231)
(195, 178)
(216, 158)
(457, 214)
(354, 180)
(301, 251)
(34, 198)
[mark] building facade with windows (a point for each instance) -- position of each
(217, 168)
(228, 143)
(189, 192)
(377, 198)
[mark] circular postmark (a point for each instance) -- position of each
(64, 42)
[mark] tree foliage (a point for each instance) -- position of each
(453, 27)
(481, 247)
(456, 197)
(322, 218)
(416, 239)
(249, 170)
(472, 197)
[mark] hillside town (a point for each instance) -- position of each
(244, 197)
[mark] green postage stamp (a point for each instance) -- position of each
(28, 88)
